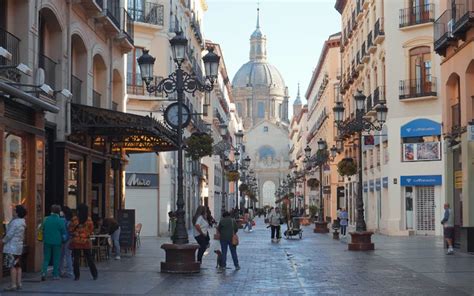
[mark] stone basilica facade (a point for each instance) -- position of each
(261, 99)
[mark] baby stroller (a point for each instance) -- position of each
(294, 229)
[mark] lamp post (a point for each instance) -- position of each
(361, 238)
(323, 155)
(180, 256)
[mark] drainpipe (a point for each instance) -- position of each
(111, 71)
(67, 102)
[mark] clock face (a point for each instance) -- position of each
(171, 115)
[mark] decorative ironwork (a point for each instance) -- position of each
(127, 132)
(191, 84)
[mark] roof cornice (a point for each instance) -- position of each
(340, 4)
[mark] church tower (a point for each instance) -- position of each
(261, 99)
(297, 104)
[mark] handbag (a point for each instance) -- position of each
(217, 235)
(235, 237)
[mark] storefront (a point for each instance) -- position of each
(22, 126)
(89, 167)
(422, 198)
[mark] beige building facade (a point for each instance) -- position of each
(387, 53)
(454, 43)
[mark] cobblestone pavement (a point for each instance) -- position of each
(315, 265)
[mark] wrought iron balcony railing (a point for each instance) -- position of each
(379, 32)
(417, 15)
(11, 43)
(135, 86)
(113, 11)
(379, 96)
(463, 16)
(151, 13)
(76, 89)
(416, 88)
(127, 27)
(49, 67)
(443, 32)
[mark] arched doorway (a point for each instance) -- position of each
(268, 193)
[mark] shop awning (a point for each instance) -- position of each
(420, 127)
(127, 132)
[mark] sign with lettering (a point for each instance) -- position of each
(126, 220)
(430, 180)
(138, 180)
(470, 132)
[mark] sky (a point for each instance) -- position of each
(295, 30)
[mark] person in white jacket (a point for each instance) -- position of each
(274, 219)
(13, 246)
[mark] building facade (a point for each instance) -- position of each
(322, 93)
(383, 42)
(453, 42)
(261, 99)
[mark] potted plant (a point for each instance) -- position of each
(199, 145)
(347, 167)
(233, 176)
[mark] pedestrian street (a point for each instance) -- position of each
(315, 265)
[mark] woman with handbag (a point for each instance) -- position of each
(54, 234)
(227, 230)
(275, 219)
(81, 228)
(200, 231)
(13, 246)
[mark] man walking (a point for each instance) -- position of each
(448, 224)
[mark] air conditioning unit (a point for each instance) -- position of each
(450, 28)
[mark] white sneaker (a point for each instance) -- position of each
(117, 257)
(450, 251)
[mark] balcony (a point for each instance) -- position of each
(76, 89)
(443, 34)
(371, 48)
(49, 67)
(127, 36)
(360, 65)
(463, 17)
(379, 96)
(110, 15)
(365, 56)
(368, 103)
(197, 30)
(96, 99)
(417, 15)
(379, 33)
(418, 89)
(152, 13)
(135, 86)
(11, 43)
(456, 117)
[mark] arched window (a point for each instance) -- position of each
(420, 63)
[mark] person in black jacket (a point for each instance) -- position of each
(111, 227)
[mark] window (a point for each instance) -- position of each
(385, 152)
(420, 68)
(239, 109)
(134, 77)
(261, 110)
(421, 148)
(265, 129)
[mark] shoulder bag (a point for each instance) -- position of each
(235, 237)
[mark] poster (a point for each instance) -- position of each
(422, 151)
(408, 152)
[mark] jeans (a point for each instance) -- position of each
(248, 225)
(276, 229)
(203, 241)
(233, 252)
(65, 263)
(343, 229)
(48, 251)
(115, 237)
(90, 262)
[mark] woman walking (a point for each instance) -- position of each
(274, 219)
(81, 228)
(343, 216)
(13, 246)
(65, 264)
(54, 231)
(227, 228)
(200, 231)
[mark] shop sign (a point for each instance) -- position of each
(378, 185)
(371, 185)
(385, 182)
(458, 179)
(426, 180)
(366, 188)
(137, 180)
(340, 191)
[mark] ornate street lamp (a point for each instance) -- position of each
(361, 238)
(180, 255)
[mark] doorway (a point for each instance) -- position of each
(98, 205)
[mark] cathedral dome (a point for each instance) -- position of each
(258, 73)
